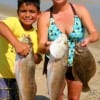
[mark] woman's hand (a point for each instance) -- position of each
(85, 42)
(37, 58)
(47, 46)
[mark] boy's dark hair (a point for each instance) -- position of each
(35, 2)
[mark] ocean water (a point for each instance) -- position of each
(92, 5)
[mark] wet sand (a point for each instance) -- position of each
(94, 83)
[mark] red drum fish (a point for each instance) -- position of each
(57, 66)
(25, 74)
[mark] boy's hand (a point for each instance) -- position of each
(22, 48)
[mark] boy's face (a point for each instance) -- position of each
(28, 14)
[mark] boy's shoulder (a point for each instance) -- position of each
(11, 18)
(11, 21)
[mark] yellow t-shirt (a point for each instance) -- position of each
(7, 52)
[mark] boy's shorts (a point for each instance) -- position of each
(8, 89)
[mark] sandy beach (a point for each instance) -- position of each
(94, 83)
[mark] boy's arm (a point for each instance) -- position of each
(21, 48)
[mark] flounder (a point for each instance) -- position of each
(84, 66)
(25, 74)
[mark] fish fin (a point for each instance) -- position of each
(85, 88)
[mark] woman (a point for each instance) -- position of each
(72, 20)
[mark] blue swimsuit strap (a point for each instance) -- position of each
(74, 37)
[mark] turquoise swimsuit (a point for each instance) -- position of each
(75, 36)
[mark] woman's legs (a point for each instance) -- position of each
(74, 89)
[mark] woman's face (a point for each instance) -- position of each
(28, 14)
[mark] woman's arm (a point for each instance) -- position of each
(43, 23)
(21, 48)
(89, 25)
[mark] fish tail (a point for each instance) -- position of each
(85, 88)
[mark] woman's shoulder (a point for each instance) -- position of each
(80, 9)
(45, 15)
(79, 6)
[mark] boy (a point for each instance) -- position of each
(28, 12)
(20, 47)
